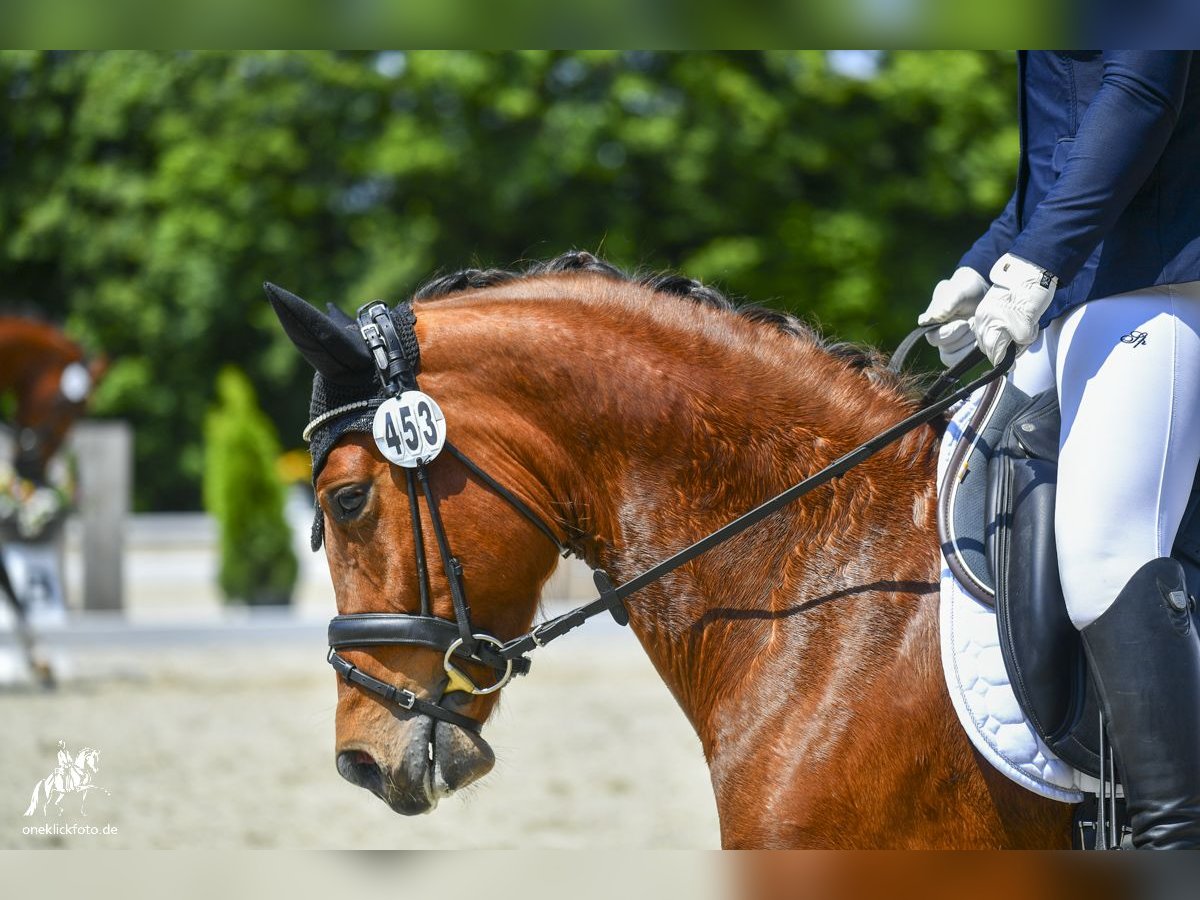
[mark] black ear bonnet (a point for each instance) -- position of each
(345, 375)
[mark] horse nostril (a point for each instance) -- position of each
(360, 768)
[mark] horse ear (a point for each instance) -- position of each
(332, 346)
(337, 316)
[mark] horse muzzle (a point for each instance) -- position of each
(430, 761)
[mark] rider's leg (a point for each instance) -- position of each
(1033, 372)
(1130, 437)
(1129, 385)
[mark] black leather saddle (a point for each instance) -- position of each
(996, 525)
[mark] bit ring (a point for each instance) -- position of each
(458, 676)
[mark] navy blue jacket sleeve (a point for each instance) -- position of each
(994, 242)
(1117, 145)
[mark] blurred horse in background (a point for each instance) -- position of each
(46, 380)
(637, 415)
(50, 380)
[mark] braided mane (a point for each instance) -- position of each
(867, 360)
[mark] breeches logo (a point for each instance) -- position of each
(1136, 338)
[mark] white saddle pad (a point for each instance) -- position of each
(978, 681)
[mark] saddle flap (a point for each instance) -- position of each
(1042, 649)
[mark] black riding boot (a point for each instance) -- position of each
(1144, 653)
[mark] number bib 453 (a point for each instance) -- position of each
(409, 429)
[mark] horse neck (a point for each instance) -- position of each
(644, 434)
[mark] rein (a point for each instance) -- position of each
(391, 338)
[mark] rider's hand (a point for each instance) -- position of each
(954, 300)
(1010, 311)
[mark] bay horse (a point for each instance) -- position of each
(638, 415)
(50, 380)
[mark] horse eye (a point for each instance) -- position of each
(349, 500)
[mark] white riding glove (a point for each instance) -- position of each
(1010, 311)
(954, 300)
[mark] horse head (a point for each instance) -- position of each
(363, 518)
(53, 381)
(57, 397)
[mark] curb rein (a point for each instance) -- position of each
(392, 342)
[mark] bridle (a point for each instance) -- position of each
(390, 337)
(392, 342)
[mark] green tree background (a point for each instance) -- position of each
(145, 196)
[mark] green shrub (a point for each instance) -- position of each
(243, 492)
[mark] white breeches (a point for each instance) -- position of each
(1127, 369)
